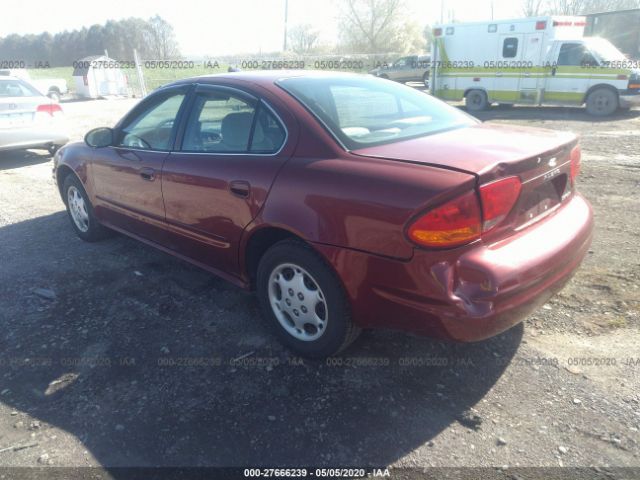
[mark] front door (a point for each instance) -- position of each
(127, 177)
(215, 185)
(568, 78)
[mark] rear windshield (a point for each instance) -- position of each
(13, 87)
(362, 111)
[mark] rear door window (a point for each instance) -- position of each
(223, 122)
(510, 47)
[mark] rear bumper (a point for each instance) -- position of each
(473, 293)
(32, 137)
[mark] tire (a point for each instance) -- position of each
(293, 281)
(425, 79)
(476, 100)
(54, 95)
(80, 210)
(602, 102)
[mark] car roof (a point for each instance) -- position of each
(265, 77)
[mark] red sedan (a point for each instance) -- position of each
(345, 201)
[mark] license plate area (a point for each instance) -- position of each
(541, 199)
(15, 120)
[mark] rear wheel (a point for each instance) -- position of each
(303, 300)
(602, 102)
(476, 100)
(83, 219)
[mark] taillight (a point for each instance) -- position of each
(463, 219)
(575, 156)
(498, 198)
(49, 108)
(455, 223)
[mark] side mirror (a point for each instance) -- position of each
(100, 137)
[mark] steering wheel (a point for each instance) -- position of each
(131, 140)
(165, 124)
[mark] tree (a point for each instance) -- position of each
(161, 39)
(378, 26)
(303, 38)
(532, 8)
(368, 25)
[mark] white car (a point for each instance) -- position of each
(54, 88)
(28, 119)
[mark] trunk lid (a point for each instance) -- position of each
(539, 157)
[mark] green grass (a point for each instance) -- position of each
(56, 72)
(153, 77)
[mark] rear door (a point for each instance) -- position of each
(127, 177)
(531, 77)
(505, 87)
(232, 147)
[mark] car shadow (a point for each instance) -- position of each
(149, 361)
(23, 158)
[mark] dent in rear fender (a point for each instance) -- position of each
(493, 276)
(357, 203)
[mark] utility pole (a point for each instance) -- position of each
(286, 17)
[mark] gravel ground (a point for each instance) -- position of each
(115, 354)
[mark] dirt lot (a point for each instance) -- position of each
(129, 357)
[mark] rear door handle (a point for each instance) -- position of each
(148, 173)
(240, 188)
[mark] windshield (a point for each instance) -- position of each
(364, 111)
(604, 50)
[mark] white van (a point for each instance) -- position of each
(532, 61)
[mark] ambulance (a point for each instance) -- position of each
(532, 61)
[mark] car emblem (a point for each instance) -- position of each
(553, 162)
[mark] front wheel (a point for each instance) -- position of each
(602, 102)
(303, 300)
(83, 219)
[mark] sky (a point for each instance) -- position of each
(220, 27)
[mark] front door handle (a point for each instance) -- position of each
(240, 188)
(148, 173)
